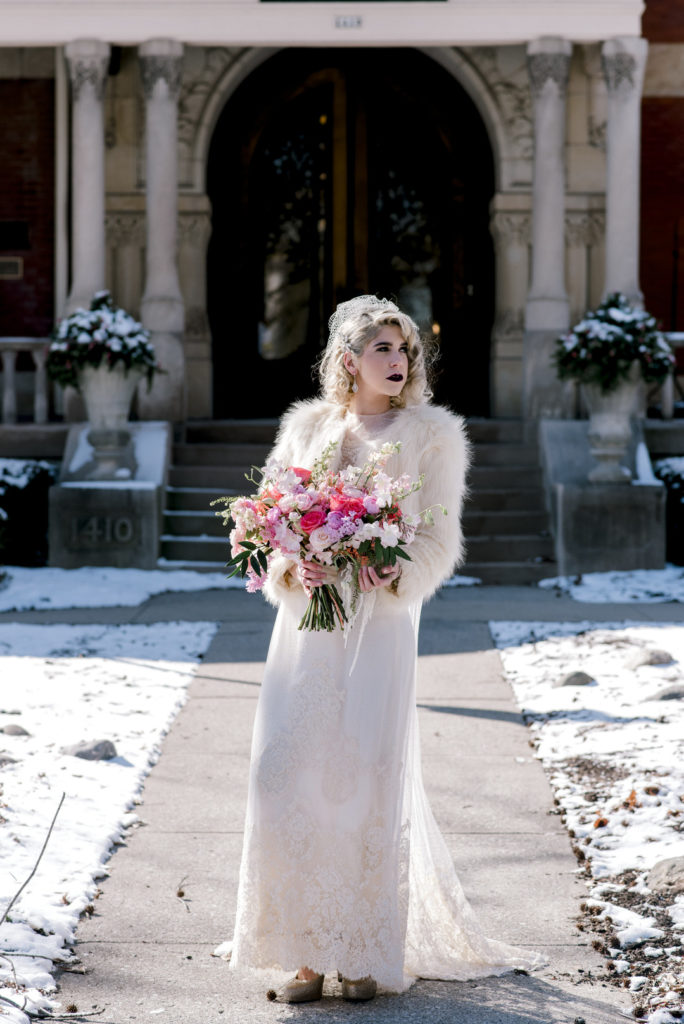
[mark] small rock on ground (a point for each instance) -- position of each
(667, 876)
(15, 730)
(654, 657)
(96, 750)
(575, 679)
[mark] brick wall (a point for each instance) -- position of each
(27, 198)
(662, 206)
(663, 21)
(662, 179)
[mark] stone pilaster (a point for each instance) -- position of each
(162, 304)
(88, 60)
(624, 62)
(547, 309)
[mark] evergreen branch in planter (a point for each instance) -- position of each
(103, 335)
(602, 347)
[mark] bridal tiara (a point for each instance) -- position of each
(353, 307)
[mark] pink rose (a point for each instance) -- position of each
(312, 520)
(322, 537)
(347, 506)
(303, 474)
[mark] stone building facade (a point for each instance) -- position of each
(124, 138)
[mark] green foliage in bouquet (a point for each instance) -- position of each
(104, 335)
(602, 347)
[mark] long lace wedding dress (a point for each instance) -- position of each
(343, 864)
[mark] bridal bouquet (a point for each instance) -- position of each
(344, 520)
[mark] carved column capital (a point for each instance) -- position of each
(88, 62)
(623, 62)
(512, 228)
(584, 229)
(161, 60)
(548, 60)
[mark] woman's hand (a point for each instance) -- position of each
(312, 575)
(371, 578)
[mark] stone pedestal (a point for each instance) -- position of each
(624, 62)
(110, 522)
(547, 310)
(162, 303)
(599, 527)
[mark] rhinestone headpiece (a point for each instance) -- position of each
(370, 304)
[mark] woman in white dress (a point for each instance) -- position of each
(343, 865)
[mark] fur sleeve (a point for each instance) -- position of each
(437, 549)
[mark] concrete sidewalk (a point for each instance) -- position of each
(148, 951)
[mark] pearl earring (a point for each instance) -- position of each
(355, 386)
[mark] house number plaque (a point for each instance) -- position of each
(94, 531)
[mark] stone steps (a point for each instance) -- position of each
(505, 520)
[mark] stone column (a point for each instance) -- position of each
(510, 230)
(88, 60)
(547, 309)
(624, 62)
(162, 303)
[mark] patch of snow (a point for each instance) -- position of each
(615, 760)
(674, 464)
(677, 913)
(462, 581)
(644, 469)
(19, 472)
(90, 587)
(69, 683)
(645, 586)
(112, 485)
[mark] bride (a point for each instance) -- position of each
(343, 865)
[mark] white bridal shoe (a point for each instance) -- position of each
(360, 990)
(301, 990)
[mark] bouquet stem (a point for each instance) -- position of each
(324, 610)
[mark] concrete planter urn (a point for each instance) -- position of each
(104, 353)
(108, 393)
(610, 429)
(609, 352)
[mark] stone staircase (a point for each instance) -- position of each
(505, 520)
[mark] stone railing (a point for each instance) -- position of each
(9, 350)
(667, 394)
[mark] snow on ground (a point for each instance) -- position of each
(646, 586)
(67, 684)
(614, 752)
(37, 589)
(31, 589)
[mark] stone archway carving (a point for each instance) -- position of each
(497, 85)
(503, 103)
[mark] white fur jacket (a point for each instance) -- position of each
(433, 442)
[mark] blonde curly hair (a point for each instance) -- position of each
(353, 325)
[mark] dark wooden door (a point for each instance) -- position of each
(333, 173)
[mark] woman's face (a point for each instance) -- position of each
(382, 368)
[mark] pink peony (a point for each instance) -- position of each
(370, 503)
(312, 520)
(305, 500)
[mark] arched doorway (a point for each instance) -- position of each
(335, 172)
